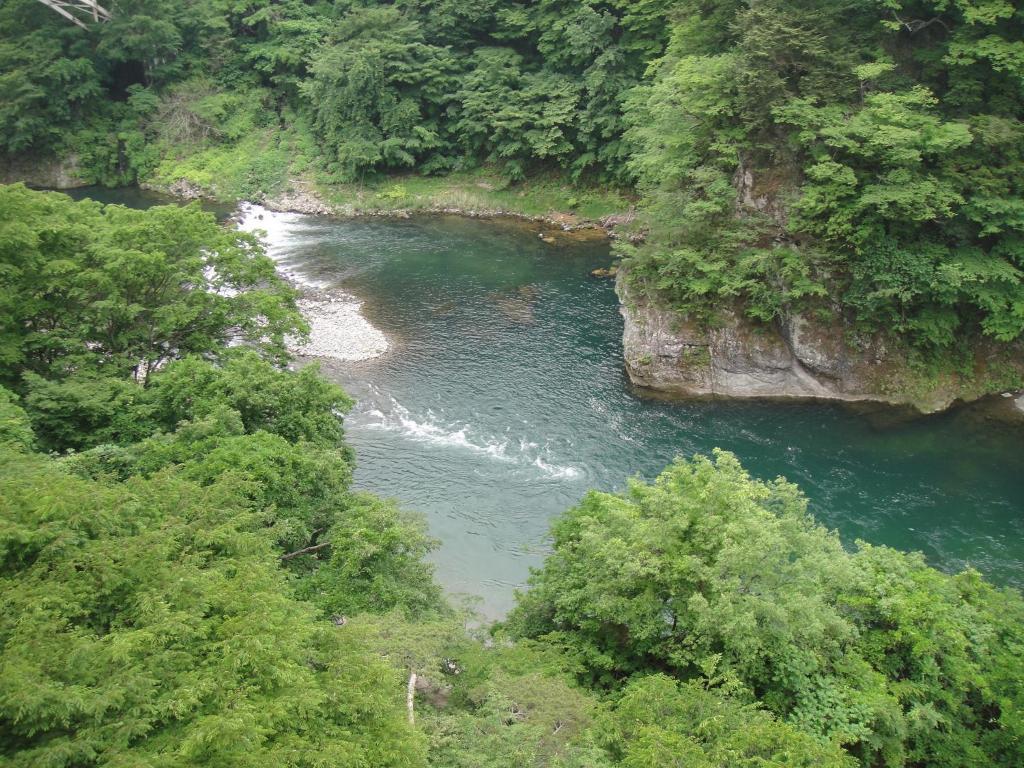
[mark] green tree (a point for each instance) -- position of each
(507, 115)
(297, 405)
(659, 722)
(850, 158)
(370, 83)
(878, 186)
(149, 623)
(709, 574)
(43, 86)
(118, 291)
(15, 428)
(375, 562)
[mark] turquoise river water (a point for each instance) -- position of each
(502, 400)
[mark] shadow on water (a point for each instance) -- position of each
(133, 197)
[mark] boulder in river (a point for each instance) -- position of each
(517, 306)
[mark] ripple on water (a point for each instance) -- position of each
(433, 429)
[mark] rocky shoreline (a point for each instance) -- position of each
(303, 198)
(797, 358)
(338, 330)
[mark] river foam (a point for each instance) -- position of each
(337, 327)
(429, 428)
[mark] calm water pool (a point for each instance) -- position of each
(503, 400)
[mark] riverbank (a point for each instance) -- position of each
(750, 363)
(285, 181)
(547, 200)
(802, 358)
(338, 329)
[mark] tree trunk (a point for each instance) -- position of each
(410, 698)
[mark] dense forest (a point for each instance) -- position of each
(854, 160)
(188, 577)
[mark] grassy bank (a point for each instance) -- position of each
(478, 190)
(275, 167)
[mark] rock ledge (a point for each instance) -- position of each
(671, 354)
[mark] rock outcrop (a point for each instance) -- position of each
(46, 173)
(798, 358)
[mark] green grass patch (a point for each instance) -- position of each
(257, 166)
(478, 190)
(267, 161)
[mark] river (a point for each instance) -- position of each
(502, 400)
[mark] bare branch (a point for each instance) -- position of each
(306, 550)
(914, 26)
(90, 8)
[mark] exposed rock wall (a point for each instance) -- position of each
(669, 353)
(49, 173)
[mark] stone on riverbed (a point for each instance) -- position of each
(338, 330)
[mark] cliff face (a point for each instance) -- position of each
(45, 173)
(671, 353)
(799, 358)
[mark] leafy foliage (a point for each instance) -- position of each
(15, 428)
(368, 85)
(108, 290)
(710, 575)
(658, 721)
(860, 140)
(149, 622)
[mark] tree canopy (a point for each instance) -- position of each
(860, 160)
(844, 158)
(94, 290)
(709, 575)
(149, 623)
